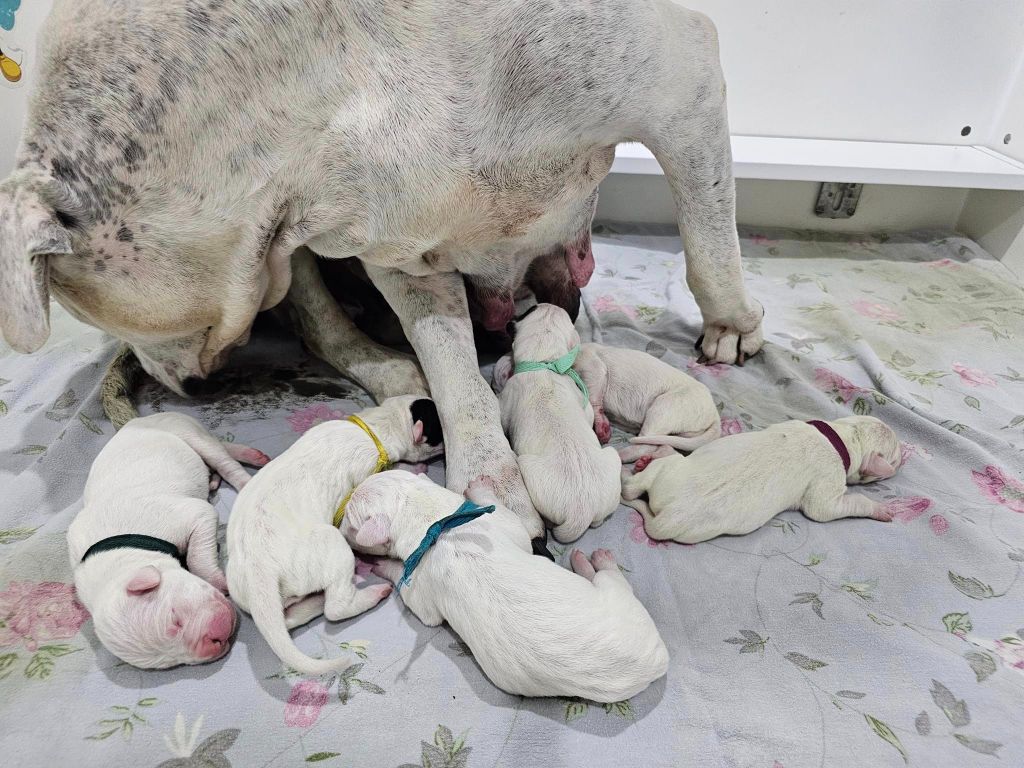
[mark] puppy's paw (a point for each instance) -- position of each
(218, 581)
(381, 590)
(214, 482)
(581, 565)
(602, 427)
(391, 570)
(642, 463)
(482, 490)
(603, 560)
(882, 513)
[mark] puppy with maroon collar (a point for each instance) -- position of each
(738, 483)
(535, 628)
(287, 563)
(144, 546)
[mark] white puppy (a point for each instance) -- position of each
(640, 392)
(145, 516)
(572, 480)
(287, 563)
(535, 628)
(738, 483)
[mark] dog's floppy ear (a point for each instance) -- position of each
(29, 234)
(502, 373)
(146, 579)
(426, 422)
(375, 532)
(876, 466)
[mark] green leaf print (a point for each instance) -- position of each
(623, 709)
(3, 408)
(31, 450)
(805, 662)
(811, 599)
(971, 587)
(978, 745)
(885, 733)
(957, 622)
(7, 664)
(982, 664)
(953, 708)
(973, 402)
(16, 534)
(750, 640)
(319, 757)
(1016, 421)
(575, 709)
(89, 424)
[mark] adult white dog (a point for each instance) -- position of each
(535, 628)
(177, 152)
(287, 563)
(144, 546)
(740, 482)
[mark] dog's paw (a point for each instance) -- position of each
(214, 482)
(602, 427)
(581, 565)
(603, 560)
(882, 513)
(481, 490)
(642, 463)
(732, 339)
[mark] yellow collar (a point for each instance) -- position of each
(383, 462)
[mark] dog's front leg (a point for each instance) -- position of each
(332, 336)
(435, 317)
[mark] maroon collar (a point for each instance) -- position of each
(836, 440)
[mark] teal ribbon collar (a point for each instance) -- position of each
(466, 513)
(562, 366)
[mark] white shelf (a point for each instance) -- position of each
(863, 162)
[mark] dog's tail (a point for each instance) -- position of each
(117, 391)
(679, 442)
(267, 613)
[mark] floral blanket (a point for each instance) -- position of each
(850, 643)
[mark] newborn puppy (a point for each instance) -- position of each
(573, 482)
(287, 563)
(640, 392)
(740, 482)
(144, 546)
(534, 628)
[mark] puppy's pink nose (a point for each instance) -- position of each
(216, 637)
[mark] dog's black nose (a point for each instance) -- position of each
(193, 386)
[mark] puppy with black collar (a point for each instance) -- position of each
(547, 415)
(144, 546)
(287, 563)
(738, 483)
(535, 629)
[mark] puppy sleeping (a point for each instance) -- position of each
(640, 392)
(546, 413)
(144, 546)
(535, 628)
(287, 563)
(740, 482)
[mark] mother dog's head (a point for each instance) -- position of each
(174, 287)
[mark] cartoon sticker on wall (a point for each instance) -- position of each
(11, 57)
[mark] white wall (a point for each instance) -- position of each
(20, 42)
(892, 70)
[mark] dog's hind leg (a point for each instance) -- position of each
(341, 598)
(304, 610)
(332, 336)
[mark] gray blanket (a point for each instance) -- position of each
(851, 643)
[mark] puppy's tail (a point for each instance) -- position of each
(267, 613)
(679, 442)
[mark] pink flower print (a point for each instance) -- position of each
(638, 534)
(304, 704)
(731, 427)
(1011, 651)
(32, 613)
(909, 449)
(305, 419)
(717, 370)
(828, 381)
(939, 525)
(875, 311)
(908, 508)
(995, 484)
(762, 240)
(943, 263)
(609, 304)
(972, 377)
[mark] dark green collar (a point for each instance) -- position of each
(135, 541)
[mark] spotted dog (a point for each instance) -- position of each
(164, 179)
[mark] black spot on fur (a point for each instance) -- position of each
(125, 235)
(540, 548)
(424, 410)
(66, 220)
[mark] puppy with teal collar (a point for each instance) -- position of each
(535, 628)
(738, 483)
(287, 563)
(547, 415)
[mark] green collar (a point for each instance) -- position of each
(561, 366)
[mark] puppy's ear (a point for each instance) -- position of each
(145, 580)
(502, 373)
(375, 532)
(424, 415)
(876, 466)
